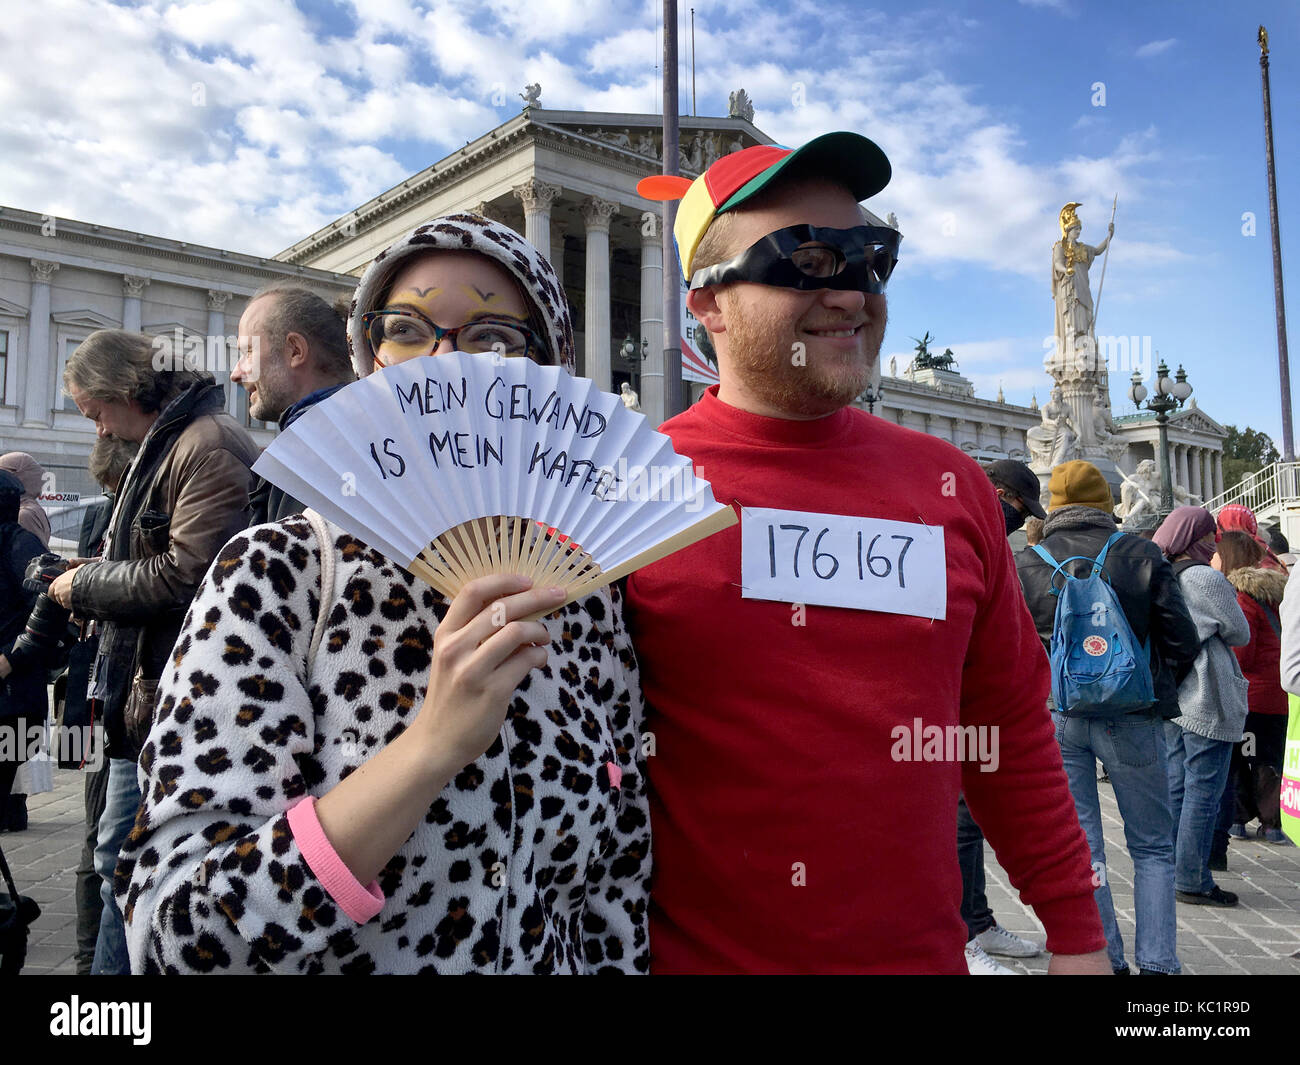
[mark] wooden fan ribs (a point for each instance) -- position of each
(504, 544)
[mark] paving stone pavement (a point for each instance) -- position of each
(1259, 936)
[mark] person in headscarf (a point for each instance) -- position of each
(1238, 516)
(429, 785)
(1211, 700)
(31, 515)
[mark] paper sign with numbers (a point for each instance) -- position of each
(792, 556)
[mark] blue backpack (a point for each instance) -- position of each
(1098, 667)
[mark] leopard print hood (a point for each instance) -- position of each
(537, 279)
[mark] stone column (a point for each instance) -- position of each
(1194, 472)
(1218, 473)
(537, 197)
(132, 291)
(652, 318)
(597, 214)
(215, 344)
(36, 392)
(1207, 471)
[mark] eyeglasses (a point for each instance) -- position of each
(811, 257)
(405, 334)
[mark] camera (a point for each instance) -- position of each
(46, 636)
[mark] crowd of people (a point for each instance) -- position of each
(319, 764)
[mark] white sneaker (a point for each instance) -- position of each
(980, 964)
(997, 940)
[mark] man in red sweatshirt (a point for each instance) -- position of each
(825, 677)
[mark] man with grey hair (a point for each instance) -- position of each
(182, 498)
(293, 353)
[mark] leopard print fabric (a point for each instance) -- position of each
(534, 859)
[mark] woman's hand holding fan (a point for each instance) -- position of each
(482, 650)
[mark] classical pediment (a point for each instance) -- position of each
(170, 328)
(701, 141)
(1198, 420)
(85, 319)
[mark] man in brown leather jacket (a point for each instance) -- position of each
(183, 497)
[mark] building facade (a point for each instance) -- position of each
(565, 179)
(60, 280)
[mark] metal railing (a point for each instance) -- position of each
(1264, 491)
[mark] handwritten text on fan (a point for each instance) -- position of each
(792, 556)
(501, 402)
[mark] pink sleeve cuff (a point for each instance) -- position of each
(359, 903)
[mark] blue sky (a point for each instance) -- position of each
(249, 123)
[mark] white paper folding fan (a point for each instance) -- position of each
(460, 465)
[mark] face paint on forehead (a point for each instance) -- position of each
(414, 295)
(484, 299)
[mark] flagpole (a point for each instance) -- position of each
(672, 274)
(1279, 300)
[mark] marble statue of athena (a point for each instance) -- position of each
(1074, 308)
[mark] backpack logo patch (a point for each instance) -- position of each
(1095, 646)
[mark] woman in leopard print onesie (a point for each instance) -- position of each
(426, 789)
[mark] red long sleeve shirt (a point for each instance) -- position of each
(787, 837)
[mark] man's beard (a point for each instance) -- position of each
(764, 357)
(267, 402)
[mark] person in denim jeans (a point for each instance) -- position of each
(1211, 699)
(1130, 746)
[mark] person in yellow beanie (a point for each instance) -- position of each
(1131, 746)
(1080, 483)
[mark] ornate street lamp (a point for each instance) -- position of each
(1170, 394)
(630, 351)
(632, 354)
(871, 397)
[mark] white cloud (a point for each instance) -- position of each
(1155, 47)
(297, 128)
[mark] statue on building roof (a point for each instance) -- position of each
(926, 361)
(923, 356)
(740, 106)
(532, 95)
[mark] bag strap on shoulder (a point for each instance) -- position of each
(1098, 563)
(1101, 558)
(326, 544)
